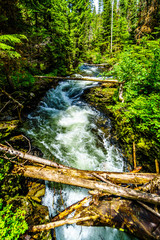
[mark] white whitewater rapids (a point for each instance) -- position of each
(66, 128)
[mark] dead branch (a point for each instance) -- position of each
(56, 175)
(52, 225)
(4, 106)
(70, 209)
(133, 178)
(28, 157)
(79, 78)
(149, 209)
(14, 100)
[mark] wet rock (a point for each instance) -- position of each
(36, 192)
(7, 127)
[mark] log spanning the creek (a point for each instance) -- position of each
(80, 79)
(110, 188)
(115, 177)
(109, 204)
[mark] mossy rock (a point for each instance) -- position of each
(124, 131)
(36, 191)
(36, 214)
(7, 127)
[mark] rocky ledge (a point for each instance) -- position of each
(104, 99)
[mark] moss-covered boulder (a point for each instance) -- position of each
(35, 214)
(123, 129)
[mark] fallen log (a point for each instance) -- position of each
(125, 215)
(60, 223)
(96, 64)
(127, 178)
(56, 176)
(131, 215)
(81, 79)
(29, 157)
(74, 207)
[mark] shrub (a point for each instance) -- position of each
(12, 224)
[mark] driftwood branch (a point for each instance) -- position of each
(70, 209)
(11, 98)
(124, 207)
(57, 176)
(60, 223)
(80, 78)
(133, 178)
(29, 157)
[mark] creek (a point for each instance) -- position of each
(65, 127)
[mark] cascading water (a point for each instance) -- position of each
(65, 127)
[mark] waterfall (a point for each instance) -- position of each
(66, 127)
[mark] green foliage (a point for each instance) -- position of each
(97, 59)
(139, 70)
(7, 45)
(144, 113)
(4, 168)
(12, 224)
(140, 74)
(23, 79)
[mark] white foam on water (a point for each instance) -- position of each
(65, 128)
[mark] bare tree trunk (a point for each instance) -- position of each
(80, 78)
(125, 215)
(110, 188)
(111, 205)
(121, 93)
(132, 178)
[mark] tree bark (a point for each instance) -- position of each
(56, 176)
(81, 79)
(115, 177)
(125, 215)
(111, 205)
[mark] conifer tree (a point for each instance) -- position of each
(80, 18)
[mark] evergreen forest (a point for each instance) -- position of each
(53, 37)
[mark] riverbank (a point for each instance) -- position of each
(103, 98)
(25, 195)
(124, 131)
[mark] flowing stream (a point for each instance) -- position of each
(66, 127)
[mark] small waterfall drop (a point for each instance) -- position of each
(66, 127)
